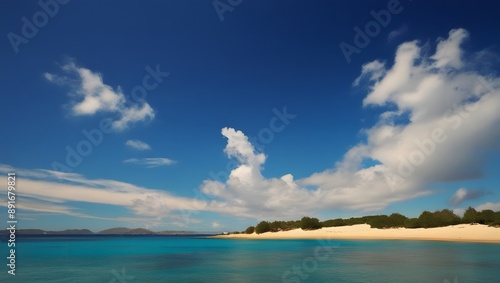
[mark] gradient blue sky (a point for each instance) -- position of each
(226, 81)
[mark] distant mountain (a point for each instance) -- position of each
(112, 231)
(126, 231)
(72, 232)
(141, 231)
(115, 231)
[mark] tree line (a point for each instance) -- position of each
(426, 219)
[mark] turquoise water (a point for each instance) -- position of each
(191, 259)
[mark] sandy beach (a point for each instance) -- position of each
(457, 233)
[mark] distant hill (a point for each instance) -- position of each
(118, 230)
(141, 231)
(112, 231)
(126, 231)
(72, 232)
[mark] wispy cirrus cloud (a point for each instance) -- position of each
(53, 192)
(43, 206)
(137, 144)
(151, 162)
(397, 32)
(91, 95)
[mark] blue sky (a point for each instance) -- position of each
(220, 114)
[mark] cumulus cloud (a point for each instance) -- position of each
(151, 162)
(137, 144)
(489, 205)
(246, 189)
(446, 120)
(459, 212)
(91, 95)
(463, 194)
(453, 115)
(253, 195)
(441, 123)
(132, 115)
(448, 52)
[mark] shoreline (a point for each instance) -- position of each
(456, 233)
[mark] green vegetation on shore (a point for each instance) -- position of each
(426, 219)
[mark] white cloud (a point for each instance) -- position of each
(52, 192)
(395, 33)
(459, 212)
(440, 128)
(255, 196)
(216, 225)
(51, 208)
(448, 52)
(375, 69)
(399, 77)
(134, 114)
(453, 121)
(137, 144)
(463, 194)
(91, 95)
(489, 205)
(151, 162)
(49, 77)
(96, 95)
(247, 190)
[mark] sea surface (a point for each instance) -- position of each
(138, 259)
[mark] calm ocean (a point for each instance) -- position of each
(135, 259)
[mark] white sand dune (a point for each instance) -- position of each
(460, 233)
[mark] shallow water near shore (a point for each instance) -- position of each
(200, 259)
